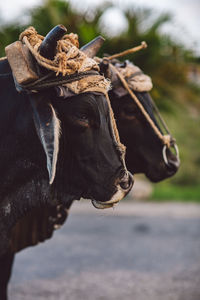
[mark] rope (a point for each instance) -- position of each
(115, 129)
(159, 116)
(129, 51)
(68, 59)
(70, 37)
(164, 138)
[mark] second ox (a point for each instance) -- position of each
(142, 129)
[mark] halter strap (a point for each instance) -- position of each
(166, 138)
(50, 80)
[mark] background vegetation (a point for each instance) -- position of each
(166, 61)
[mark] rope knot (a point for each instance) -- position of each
(167, 140)
(61, 60)
(32, 36)
(68, 59)
(72, 38)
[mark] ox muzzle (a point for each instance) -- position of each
(123, 187)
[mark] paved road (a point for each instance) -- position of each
(134, 252)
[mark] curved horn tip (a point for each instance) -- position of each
(100, 37)
(62, 26)
(91, 48)
(57, 32)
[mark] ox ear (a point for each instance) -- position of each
(48, 129)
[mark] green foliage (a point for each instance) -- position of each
(8, 34)
(164, 60)
(169, 192)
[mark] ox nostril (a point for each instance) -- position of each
(124, 185)
(123, 175)
(126, 182)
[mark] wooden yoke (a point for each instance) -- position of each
(21, 63)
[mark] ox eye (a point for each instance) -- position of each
(82, 117)
(82, 120)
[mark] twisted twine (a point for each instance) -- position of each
(116, 132)
(68, 59)
(128, 51)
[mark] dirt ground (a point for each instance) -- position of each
(136, 251)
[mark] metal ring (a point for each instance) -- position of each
(165, 154)
(176, 150)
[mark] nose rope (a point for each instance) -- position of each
(121, 147)
(166, 139)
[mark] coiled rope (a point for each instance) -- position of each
(68, 59)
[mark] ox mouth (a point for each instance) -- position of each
(160, 175)
(119, 195)
(103, 205)
(122, 189)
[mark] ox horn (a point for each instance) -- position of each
(93, 47)
(46, 122)
(48, 46)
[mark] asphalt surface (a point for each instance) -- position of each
(137, 251)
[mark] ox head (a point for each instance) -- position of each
(145, 150)
(83, 157)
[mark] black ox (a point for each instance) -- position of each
(144, 150)
(78, 133)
